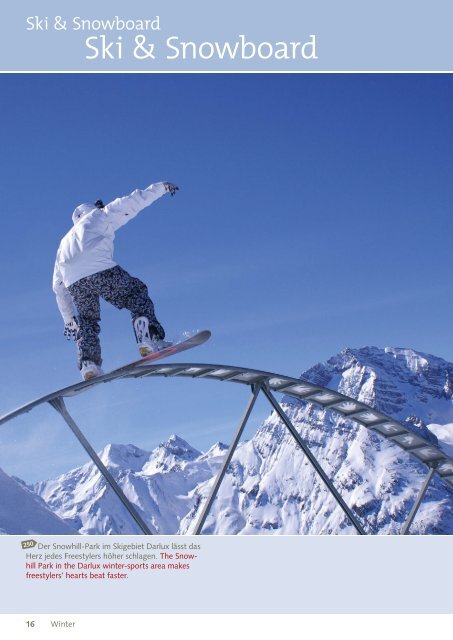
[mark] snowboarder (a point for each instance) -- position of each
(85, 271)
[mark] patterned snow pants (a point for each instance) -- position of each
(120, 289)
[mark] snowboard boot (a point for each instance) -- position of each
(147, 343)
(90, 370)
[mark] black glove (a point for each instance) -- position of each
(70, 329)
(171, 188)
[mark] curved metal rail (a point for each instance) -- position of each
(267, 383)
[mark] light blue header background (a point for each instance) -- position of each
(351, 35)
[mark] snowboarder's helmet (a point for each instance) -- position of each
(99, 204)
(81, 211)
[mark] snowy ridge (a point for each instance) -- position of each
(160, 483)
(270, 486)
(398, 382)
(23, 512)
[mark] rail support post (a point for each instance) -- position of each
(286, 421)
(59, 405)
(417, 503)
(251, 403)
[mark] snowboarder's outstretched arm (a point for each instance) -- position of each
(121, 210)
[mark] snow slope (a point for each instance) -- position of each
(270, 488)
(23, 512)
(444, 435)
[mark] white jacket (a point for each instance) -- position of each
(88, 247)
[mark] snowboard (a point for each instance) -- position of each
(194, 341)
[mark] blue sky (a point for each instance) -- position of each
(314, 213)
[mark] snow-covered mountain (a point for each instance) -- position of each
(23, 512)
(270, 487)
(275, 488)
(162, 484)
